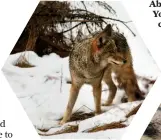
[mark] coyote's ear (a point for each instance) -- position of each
(108, 30)
(103, 37)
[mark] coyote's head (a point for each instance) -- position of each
(104, 48)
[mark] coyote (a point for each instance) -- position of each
(88, 61)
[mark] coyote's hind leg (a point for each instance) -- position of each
(112, 90)
(97, 97)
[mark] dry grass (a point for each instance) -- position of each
(69, 129)
(79, 116)
(23, 63)
(114, 125)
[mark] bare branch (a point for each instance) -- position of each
(106, 6)
(72, 28)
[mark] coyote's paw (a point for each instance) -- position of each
(62, 122)
(98, 113)
(106, 104)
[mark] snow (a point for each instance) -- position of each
(112, 134)
(112, 114)
(43, 90)
(39, 91)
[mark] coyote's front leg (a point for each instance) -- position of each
(97, 97)
(72, 99)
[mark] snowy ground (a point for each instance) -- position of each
(43, 90)
(39, 91)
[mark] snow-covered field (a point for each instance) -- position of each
(43, 91)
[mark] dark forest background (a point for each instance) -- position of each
(55, 26)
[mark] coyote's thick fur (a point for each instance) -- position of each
(94, 59)
(88, 61)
